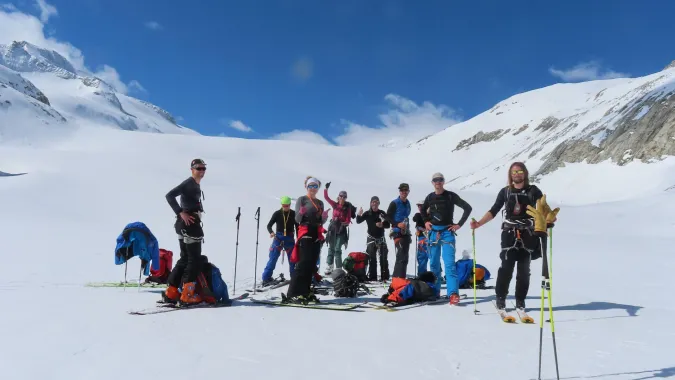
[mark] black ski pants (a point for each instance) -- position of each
(188, 266)
(519, 248)
(402, 244)
(373, 247)
(301, 279)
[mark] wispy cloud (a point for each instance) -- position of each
(236, 124)
(586, 71)
(16, 25)
(402, 123)
(153, 25)
(46, 10)
(302, 69)
(302, 135)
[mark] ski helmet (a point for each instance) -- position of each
(285, 200)
(419, 203)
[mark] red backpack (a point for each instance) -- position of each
(356, 263)
(165, 265)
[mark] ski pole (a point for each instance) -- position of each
(473, 237)
(236, 251)
(550, 302)
(255, 277)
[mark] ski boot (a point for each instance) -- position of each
(501, 303)
(189, 296)
(520, 304)
(454, 299)
(170, 295)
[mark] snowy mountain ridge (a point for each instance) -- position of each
(82, 100)
(616, 122)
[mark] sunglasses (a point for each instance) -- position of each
(200, 168)
(436, 180)
(312, 186)
(517, 171)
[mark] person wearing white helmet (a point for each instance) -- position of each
(422, 241)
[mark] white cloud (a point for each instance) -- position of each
(153, 25)
(46, 10)
(236, 124)
(302, 69)
(16, 25)
(403, 123)
(586, 71)
(302, 135)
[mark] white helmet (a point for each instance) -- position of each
(420, 202)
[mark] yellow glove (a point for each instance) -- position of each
(539, 217)
(550, 215)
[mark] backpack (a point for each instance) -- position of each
(165, 265)
(211, 286)
(344, 284)
(219, 287)
(465, 274)
(356, 264)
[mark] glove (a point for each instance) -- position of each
(550, 215)
(324, 214)
(539, 218)
(303, 210)
(327, 185)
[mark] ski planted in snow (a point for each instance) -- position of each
(524, 317)
(168, 307)
(506, 317)
(278, 282)
(323, 305)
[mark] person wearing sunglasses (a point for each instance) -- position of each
(188, 226)
(398, 214)
(310, 216)
(519, 245)
(438, 212)
(338, 228)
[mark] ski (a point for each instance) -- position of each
(524, 317)
(320, 306)
(169, 307)
(278, 282)
(121, 284)
(506, 317)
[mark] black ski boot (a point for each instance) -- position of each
(520, 304)
(501, 303)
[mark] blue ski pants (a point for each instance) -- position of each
(442, 243)
(422, 254)
(279, 243)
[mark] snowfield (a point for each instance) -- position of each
(611, 266)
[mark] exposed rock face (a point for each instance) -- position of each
(645, 132)
(481, 137)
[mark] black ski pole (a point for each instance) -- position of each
(236, 251)
(255, 277)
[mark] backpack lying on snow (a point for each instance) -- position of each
(344, 283)
(161, 275)
(356, 264)
(403, 291)
(465, 274)
(210, 284)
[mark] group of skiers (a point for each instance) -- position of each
(301, 234)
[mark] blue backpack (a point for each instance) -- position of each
(219, 286)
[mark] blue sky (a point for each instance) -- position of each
(349, 70)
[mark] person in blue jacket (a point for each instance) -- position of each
(437, 212)
(398, 214)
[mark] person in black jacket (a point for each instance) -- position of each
(375, 242)
(437, 212)
(518, 241)
(188, 226)
(284, 239)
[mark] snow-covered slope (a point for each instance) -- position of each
(627, 122)
(82, 99)
(610, 295)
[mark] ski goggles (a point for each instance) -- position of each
(313, 186)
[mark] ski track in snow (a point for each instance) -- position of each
(610, 283)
